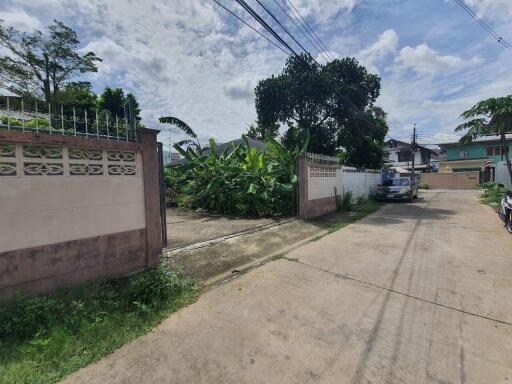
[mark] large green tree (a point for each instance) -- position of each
(38, 64)
(114, 100)
(489, 117)
(335, 103)
(78, 95)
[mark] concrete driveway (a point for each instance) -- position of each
(416, 293)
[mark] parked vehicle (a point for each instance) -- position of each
(505, 211)
(400, 188)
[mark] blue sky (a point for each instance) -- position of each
(192, 60)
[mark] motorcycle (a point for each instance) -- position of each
(505, 211)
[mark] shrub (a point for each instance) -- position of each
(240, 180)
(424, 186)
(82, 307)
(346, 203)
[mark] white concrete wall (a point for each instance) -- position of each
(45, 209)
(502, 176)
(326, 182)
(323, 182)
(361, 183)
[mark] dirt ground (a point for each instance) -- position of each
(186, 227)
(415, 293)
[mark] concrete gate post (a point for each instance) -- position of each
(147, 139)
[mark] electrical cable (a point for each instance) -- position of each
(250, 26)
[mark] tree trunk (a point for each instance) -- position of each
(504, 147)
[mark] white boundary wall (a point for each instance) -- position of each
(327, 182)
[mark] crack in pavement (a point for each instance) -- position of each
(347, 277)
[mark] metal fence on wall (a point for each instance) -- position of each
(70, 120)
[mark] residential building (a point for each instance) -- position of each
(482, 154)
(399, 156)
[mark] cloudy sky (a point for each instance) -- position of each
(192, 60)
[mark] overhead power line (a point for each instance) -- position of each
(287, 53)
(284, 29)
(265, 25)
(295, 12)
(483, 24)
(303, 31)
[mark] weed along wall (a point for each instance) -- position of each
(321, 180)
(74, 209)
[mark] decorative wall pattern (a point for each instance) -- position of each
(85, 154)
(86, 169)
(42, 152)
(41, 160)
(120, 169)
(43, 169)
(7, 150)
(8, 160)
(121, 156)
(7, 169)
(322, 172)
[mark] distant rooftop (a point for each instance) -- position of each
(482, 139)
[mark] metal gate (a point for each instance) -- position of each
(163, 215)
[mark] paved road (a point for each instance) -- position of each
(416, 293)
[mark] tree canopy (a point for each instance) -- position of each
(38, 64)
(492, 116)
(335, 103)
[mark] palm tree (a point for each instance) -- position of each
(489, 117)
(185, 128)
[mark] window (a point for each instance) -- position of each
(463, 154)
(402, 182)
(404, 156)
(494, 150)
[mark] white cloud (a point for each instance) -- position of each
(241, 89)
(387, 43)
(426, 61)
(20, 20)
(501, 9)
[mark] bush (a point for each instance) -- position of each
(346, 202)
(488, 185)
(240, 180)
(424, 186)
(25, 317)
(493, 193)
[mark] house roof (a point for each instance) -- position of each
(409, 144)
(482, 139)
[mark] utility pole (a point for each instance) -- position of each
(413, 150)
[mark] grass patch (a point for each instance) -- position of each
(45, 338)
(362, 209)
(492, 194)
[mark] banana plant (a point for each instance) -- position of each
(186, 129)
(240, 180)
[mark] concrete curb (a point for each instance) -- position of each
(226, 277)
(173, 251)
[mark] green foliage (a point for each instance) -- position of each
(239, 180)
(27, 316)
(424, 186)
(44, 338)
(186, 129)
(335, 103)
(41, 123)
(113, 101)
(346, 202)
(493, 193)
(37, 64)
